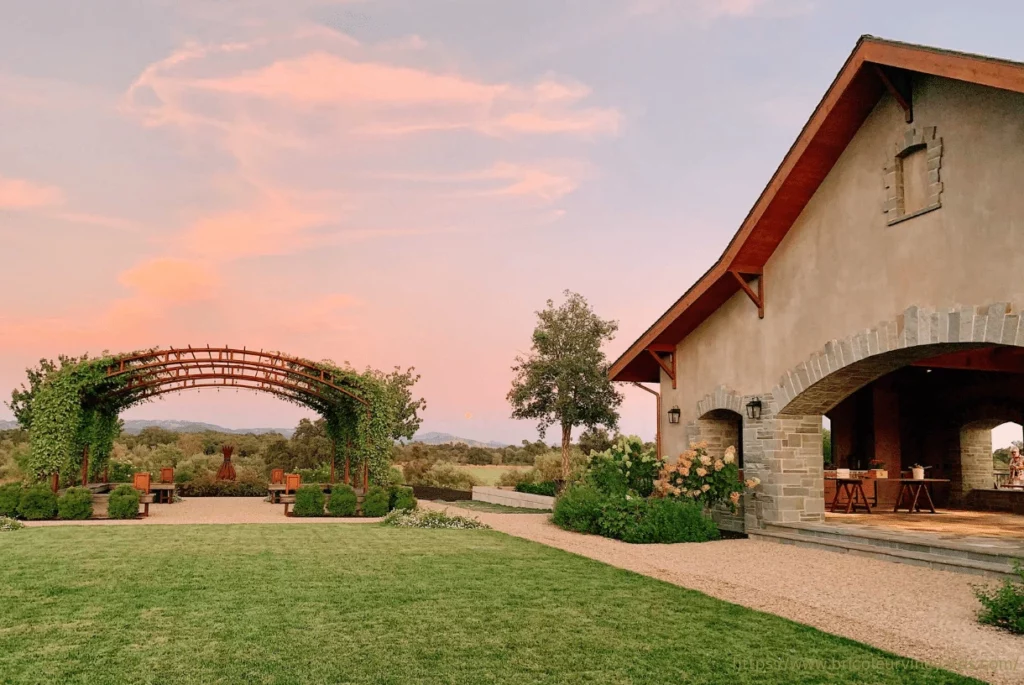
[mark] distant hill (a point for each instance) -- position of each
(434, 438)
(135, 426)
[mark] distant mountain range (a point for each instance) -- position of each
(135, 426)
(434, 438)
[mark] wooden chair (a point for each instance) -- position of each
(141, 482)
(292, 481)
(167, 475)
(277, 476)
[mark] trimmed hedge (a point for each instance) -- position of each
(376, 502)
(123, 503)
(221, 488)
(342, 501)
(75, 504)
(549, 488)
(309, 501)
(10, 498)
(401, 497)
(38, 503)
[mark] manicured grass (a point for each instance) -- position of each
(368, 604)
(489, 475)
(491, 508)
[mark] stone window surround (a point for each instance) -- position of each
(892, 174)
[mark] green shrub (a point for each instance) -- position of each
(121, 471)
(123, 503)
(578, 508)
(183, 476)
(513, 477)
(376, 502)
(546, 488)
(402, 518)
(309, 501)
(401, 497)
(221, 488)
(319, 474)
(442, 475)
(342, 501)
(10, 498)
(7, 523)
(627, 468)
(640, 520)
(75, 504)
(37, 503)
(1003, 607)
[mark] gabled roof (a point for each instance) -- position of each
(874, 66)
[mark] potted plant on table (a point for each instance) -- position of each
(917, 471)
(876, 469)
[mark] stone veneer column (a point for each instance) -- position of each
(976, 470)
(784, 452)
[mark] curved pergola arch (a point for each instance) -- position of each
(76, 408)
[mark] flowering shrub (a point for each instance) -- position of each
(707, 480)
(402, 518)
(7, 523)
(627, 468)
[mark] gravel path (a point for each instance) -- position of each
(916, 612)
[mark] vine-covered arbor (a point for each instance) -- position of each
(72, 409)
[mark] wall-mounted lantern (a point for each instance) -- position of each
(673, 415)
(754, 409)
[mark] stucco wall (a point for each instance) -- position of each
(842, 269)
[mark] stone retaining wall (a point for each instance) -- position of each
(511, 498)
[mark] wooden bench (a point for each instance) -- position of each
(145, 499)
(287, 499)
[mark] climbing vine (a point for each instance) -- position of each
(71, 408)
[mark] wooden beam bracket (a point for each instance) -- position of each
(897, 82)
(758, 297)
(668, 367)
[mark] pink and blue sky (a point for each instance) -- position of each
(396, 181)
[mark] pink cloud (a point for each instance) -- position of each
(168, 279)
(16, 193)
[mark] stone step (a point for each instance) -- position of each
(992, 566)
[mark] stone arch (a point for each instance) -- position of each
(973, 457)
(843, 366)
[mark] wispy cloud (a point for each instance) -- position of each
(21, 194)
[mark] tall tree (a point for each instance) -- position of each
(564, 379)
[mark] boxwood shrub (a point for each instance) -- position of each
(376, 501)
(309, 501)
(401, 497)
(75, 504)
(548, 488)
(37, 503)
(10, 498)
(123, 502)
(579, 509)
(342, 501)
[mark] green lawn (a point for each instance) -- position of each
(489, 475)
(354, 603)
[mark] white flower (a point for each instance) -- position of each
(702, 472)
(719, 465)
(730, 456)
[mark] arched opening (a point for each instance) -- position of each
(721, 429)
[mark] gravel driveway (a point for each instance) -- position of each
(916, 612)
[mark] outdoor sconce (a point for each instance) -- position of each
(754, 409)
(673, 415)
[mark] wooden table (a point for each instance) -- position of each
(912, 488)
(853, 488)
(163, 493)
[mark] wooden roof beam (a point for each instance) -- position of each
(898, 83)
(669, 368)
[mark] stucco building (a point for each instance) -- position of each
(878, 281)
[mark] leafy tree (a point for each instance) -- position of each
(21, 398)
(564, 379)
(151, 436)
(595, 440)
(406, 410)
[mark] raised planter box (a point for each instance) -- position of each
(511, 498)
